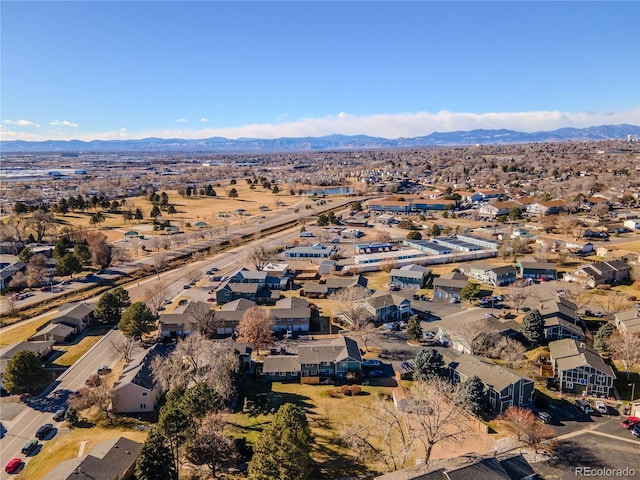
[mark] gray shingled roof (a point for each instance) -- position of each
(569, 354)
(336, 350)
(280, 363)
(491, 374)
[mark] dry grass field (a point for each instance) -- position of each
(216, 211)
(327, 413)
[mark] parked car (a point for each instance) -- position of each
(13, 465)
(429, 335)
(584, 407)
(44, 431)
(391, 326)
(371, 363)
(601, 407)
(59, 415)
(544, 417)
(29, 447)
(588, 313)
(635, 431)
(104, 370)
(630, 422)
(454, 300)
(375, 374)
(598, 314)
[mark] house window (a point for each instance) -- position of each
(282, 374)
(143, 406)
(145, 394)
(569, 385)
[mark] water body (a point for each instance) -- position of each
(331, 191)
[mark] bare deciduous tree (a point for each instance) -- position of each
(155, 298)
(41, 222)
(159, 262)
(194, 276)
(124, 347)
(518, 293)
(625, 348)
(434, 418)
(156, 242)
(210, 446)
(260, 256)
(199, 359)
(350, 304)
(204, 317)
(379, 436)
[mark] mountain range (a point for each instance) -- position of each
(328, 142)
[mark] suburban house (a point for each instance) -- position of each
(598, 273)
(549, 207)
(537, 270)
(490, 274)
(497, 209)
(579, 369)
(42, 348)
(387, 307)
(628, 321)
(449, 285)
(56, 332)
(176, 325)
(137, 390)
(321, 360)
(76, 315)
(332, 285)
(507, 466)
(506, 387)
(113, 459)
(8, 272)
(291, 314)
(456, 328)
(230, 314)
(410, 276)
(332, 359)
(278, 281)
(229, 291)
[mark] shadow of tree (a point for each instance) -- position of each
(571, 454)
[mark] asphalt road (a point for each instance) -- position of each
(40, 410)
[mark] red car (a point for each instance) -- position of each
(630, 422)
(13, 465)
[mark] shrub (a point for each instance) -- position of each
(346, 390)
(332, 393)
(356, 389)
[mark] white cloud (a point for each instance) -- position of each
(21, 123)
(63, 123)
(182, 120)
(384, 125)
(204, 120)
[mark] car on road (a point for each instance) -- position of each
(212, 270)
(29, 447)
(186, 286)
(211, 299)
(59, 415)
(13, 465)
(104, 370)
(601, 407)
(375, 374)
(371, 363)
(44, 431)
(630, 422)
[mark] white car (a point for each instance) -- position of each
(371, 363)
(601, 407)
(429, 335)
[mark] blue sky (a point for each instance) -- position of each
(124, 69)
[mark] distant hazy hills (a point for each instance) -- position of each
(329, 142)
